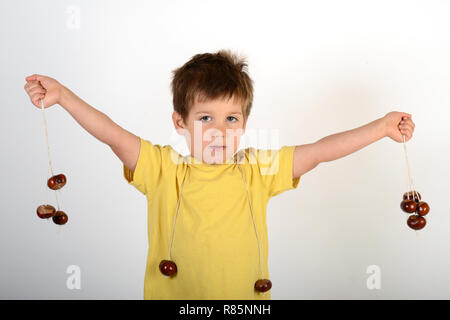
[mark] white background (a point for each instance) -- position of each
(319, 67)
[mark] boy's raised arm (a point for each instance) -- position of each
(394, 125)
(305, 159)
(123, 143)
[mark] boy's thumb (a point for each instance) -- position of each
(34, 77)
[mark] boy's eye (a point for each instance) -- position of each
(230, 118)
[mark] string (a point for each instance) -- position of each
(251, 211)
(176, 214)
(48, 148)
(408, 185)
(407, 165)
(254, 224)
(411, 183)
(46, 187)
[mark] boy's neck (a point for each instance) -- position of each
(193, 160)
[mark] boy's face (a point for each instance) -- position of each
(212, 129)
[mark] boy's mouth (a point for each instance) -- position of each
(218, 147)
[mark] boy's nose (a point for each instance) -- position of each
(219, 132)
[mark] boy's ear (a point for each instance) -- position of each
(177, 121)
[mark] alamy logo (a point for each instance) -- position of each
(73, 17)
(74, 280)
(265, 154)
(374, 280)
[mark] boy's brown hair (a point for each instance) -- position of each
(209, 76)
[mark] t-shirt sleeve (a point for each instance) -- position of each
(275, 169)
(148, 171)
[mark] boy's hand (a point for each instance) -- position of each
(41, 87)
(398, 124)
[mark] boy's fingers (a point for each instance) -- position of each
(33, 77)
(409, 122)
(407, 126)
(37, 90)
(405, 121)
(33, 86)
(36, 98)
(406, 116)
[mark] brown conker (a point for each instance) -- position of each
(263, 285)
(422, 208)
(416, 222)
(408, 206)
(168, 268)
(60, 218)
(412, 195)
(45, 211)
(57, 181)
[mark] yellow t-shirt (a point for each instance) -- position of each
(214, 243)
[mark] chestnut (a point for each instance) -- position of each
(263, 285)
(408, 206)
(60, 217)
(422, 208)
(168, 268)
(57, 181)
(412, 194)
(416, 222)
(45, 211)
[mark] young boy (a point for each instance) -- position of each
(207, 211)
